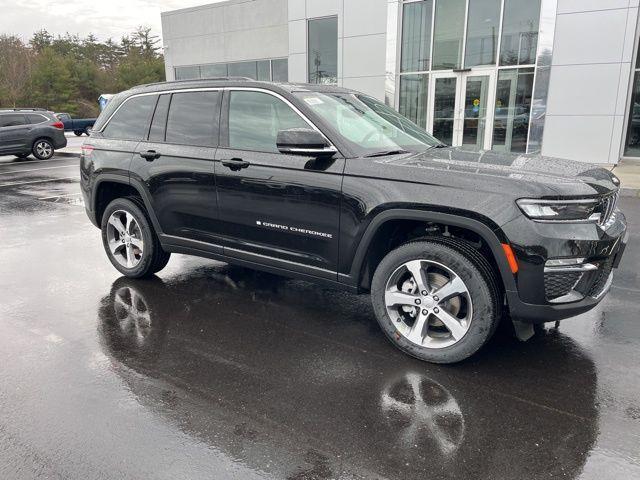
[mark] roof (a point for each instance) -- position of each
(238, 82)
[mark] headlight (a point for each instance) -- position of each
(560, 210)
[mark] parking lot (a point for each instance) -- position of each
(212, 371)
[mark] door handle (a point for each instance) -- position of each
(235, 164)
(150, 155)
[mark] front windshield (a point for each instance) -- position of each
(367, 125)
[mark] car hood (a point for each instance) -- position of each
(532, 174)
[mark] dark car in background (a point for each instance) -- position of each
(76, 125)
(327, 184)
(26, 131)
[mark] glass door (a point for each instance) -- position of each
(476, 131)
(460, 113)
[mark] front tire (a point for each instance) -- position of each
(42, 149)
(78, 133)
(130, 240)
(436, 300)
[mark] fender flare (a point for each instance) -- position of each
(489, 235)
(136, 185)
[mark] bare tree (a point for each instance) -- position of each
(15, 69)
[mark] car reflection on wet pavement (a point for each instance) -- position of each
(214, 371)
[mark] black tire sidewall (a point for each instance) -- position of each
(145, 266)
(35, 151)
(484, 315)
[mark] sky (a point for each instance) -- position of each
(103, 18)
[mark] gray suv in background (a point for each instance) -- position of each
(25, 131)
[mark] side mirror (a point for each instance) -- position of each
(303, 141)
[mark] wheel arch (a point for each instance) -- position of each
(125, 187)
(490, 235)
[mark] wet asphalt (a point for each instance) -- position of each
(217, 372)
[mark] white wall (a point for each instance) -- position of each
(362, 27)
(235, 30)
(590, 79)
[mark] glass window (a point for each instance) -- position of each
(519, 32)
(159, 121)
(632, 147)
(367, 125)
(131, 120)
(483, 25)
(280, 70)
(193, 119)
(243, 69)
(444, 108)
(513, 108)
(413, 98)
(323, 50)
(255, 119)
(35, 118)
(213, 71)
(187, 73)
(12, 120)
(448, 33)
(416, 36)
(264, 70)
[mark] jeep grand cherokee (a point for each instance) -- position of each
(330, 185)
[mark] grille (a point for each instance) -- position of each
(600, 280)
(607, 208)
(558, 284)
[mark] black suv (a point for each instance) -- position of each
(25, 131)
(330, 185)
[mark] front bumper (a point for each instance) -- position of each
(535, 243)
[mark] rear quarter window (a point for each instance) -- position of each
(131, 120)
(35, 118)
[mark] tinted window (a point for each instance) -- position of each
(280, 70)
(131, 120)
(256, 118)
(11, 119)
(323, 50)
(156, 134)
(243, 69)
(447, 37)
(416, 36)
(193, 118)
(36, 118)
(519, 32)
(212, 71)
(187, 73)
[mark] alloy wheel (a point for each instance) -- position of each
(124, 238)
(44, 149)
(429, 303)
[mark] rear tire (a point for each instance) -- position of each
(129, 239)
(78, 133)
(414, 316)
(42, 149)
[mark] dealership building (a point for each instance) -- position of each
(560, 77)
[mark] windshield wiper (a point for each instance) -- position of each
(386, 152)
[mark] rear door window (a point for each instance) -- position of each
(159, 122)
(12, 119)
(193, 119)
(131, 120)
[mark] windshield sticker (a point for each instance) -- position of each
(313, 101)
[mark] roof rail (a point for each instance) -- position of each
(232, 79)
(33, 109)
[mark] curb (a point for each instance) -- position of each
(630, 192)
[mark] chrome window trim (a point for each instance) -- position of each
(159, 92)
(288, 103)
